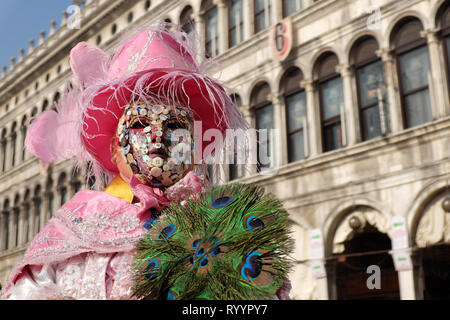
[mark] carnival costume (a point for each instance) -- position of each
(132, 101)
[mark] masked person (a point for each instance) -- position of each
(130, 121)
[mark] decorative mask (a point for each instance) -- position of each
(156, 141)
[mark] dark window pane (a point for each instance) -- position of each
(236, 22)
(332, 137)
(291, 6)
(296, 144)
(295, 113)
(296, 110)
(371, 125)
(370, 78)
(264, 120)
(212, 47)
(418, 109)
(332, 98)
(414, 69)
(260, 15)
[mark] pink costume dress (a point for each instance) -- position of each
(86, 249)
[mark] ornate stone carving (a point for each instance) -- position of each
(366, 216)
(434, 225)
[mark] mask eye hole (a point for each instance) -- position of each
(139, 124)
(174, 125)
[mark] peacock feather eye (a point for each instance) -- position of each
(153, 268)
(221, 202)
(196, 243)
(204, 262)
(252, 267)
(253, 223)
(167, 232)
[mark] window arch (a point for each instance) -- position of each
(37, 208)
(5, 227)
(291, 6)
(147, 5)
(27, 209)
(263, 112)
(187, 20)
(369, 74)
(13, 144)
(331, 97)
(50, 197)
(130, 17)
(113, 29)
(210, 16)
(413, 68)
(4, 143)
(44, 105)
(23, 129)
(62, 188)
(295, 101)
(235, 23)
(262, 10)
(15, 223)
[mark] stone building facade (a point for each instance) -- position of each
(361, 104)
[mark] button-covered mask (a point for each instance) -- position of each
(156, 141)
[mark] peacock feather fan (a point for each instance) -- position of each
(231, 243)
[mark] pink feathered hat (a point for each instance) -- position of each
(153, 65)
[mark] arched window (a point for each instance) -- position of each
(413, 72)
(147, 5)
(262, 14)
(23, 129)
(291, 6)
(331, 100)
(263, 112)
(187, 20)
(210, 16)
(99, 39)
(56, 98)
(130, 17)
(50, 197)
(4, 148)
(373, 113)
(62, 188)
(13, 144)
(37, 204)
(295, 100)
(235, 23)
(5, 226)
(27, 208)
(114, 29)
(237, 168)
(15, 222)
(44, 105)
(445, 32)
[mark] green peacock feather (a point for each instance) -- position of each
(231, 243)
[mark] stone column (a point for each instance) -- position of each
(248, 19)
(313, 119)
(222, 26)
(279, 122)
(277, 11)
(200, 29)
(250, 167)
(406, 283)
(349, 119)
(394, 103)
(438, 85)
(3, 232)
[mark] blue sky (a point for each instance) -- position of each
(21, 20)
